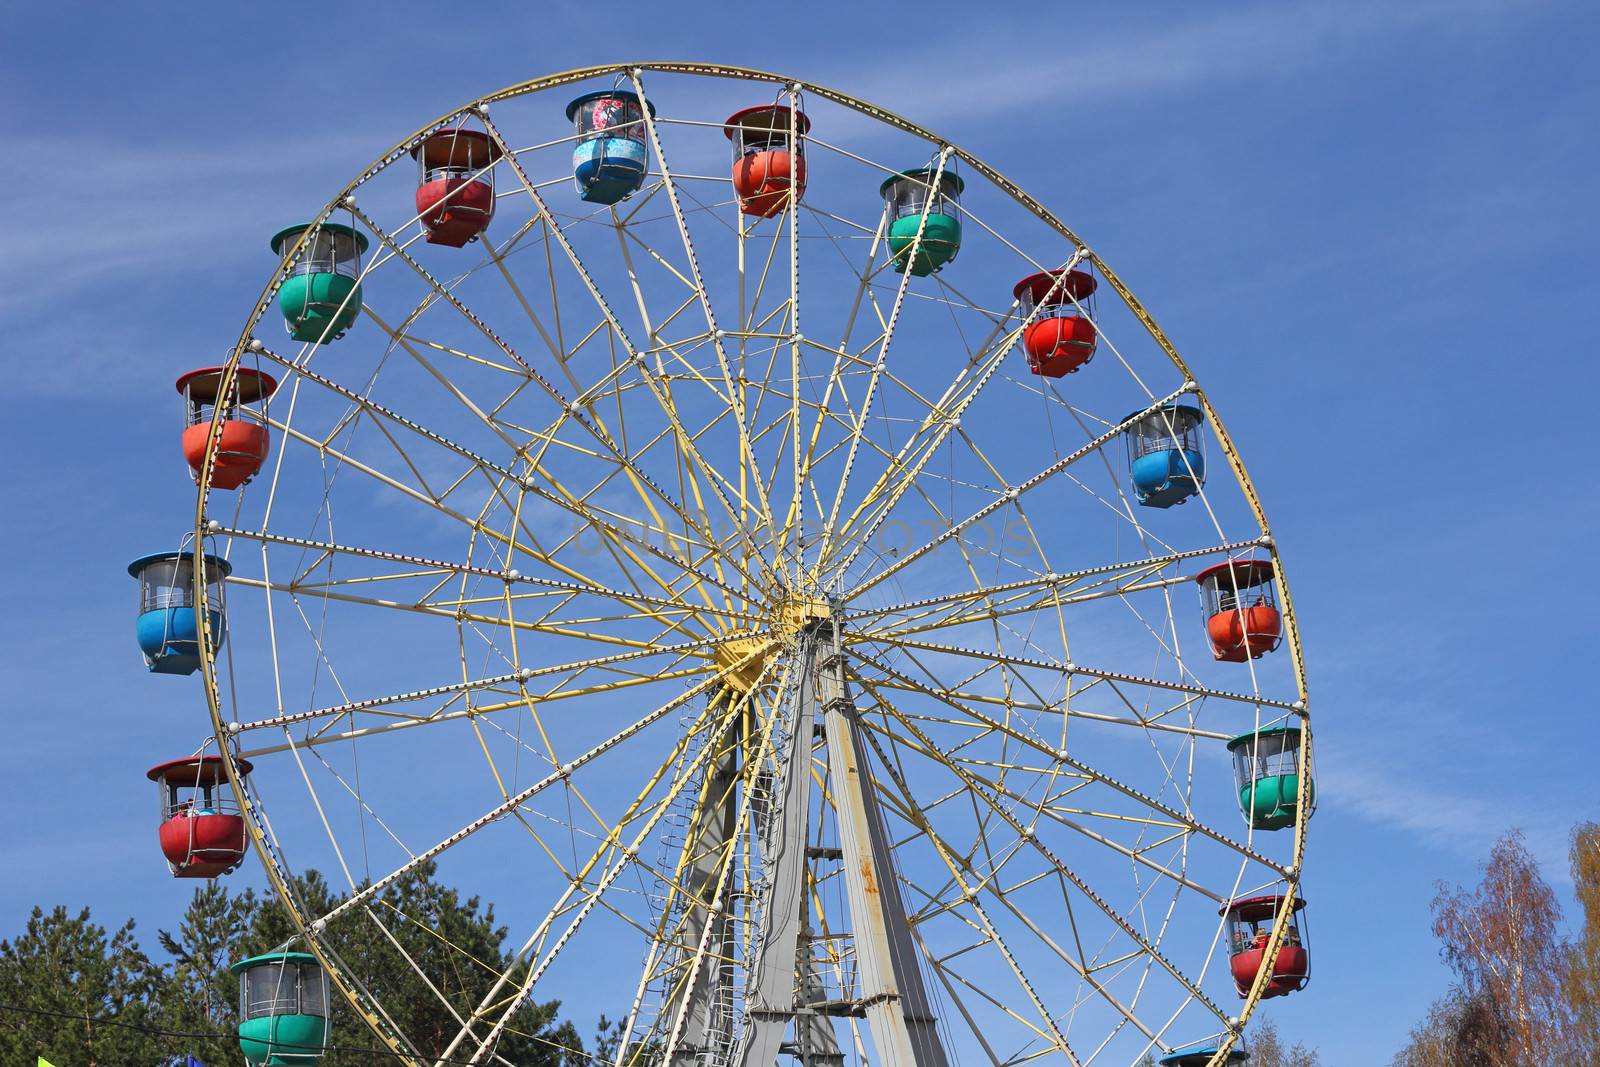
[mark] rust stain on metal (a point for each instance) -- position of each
(870, 884)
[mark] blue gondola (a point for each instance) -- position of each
(1164, 456)
(168, 629)
(1200, 1055)
(608, 162)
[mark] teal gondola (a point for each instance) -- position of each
(283, 1009)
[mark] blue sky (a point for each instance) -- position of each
(1369, 227)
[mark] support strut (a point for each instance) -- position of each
(784, 987)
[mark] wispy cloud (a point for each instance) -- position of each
(1261, 42)
(1435, 805)
(149, 207)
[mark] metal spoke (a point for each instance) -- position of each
(1069, 760)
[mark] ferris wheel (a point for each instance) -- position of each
(813, 600)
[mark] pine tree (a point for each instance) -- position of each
(202, 996)
(608, 1036)
(414, 935)
(62, 978)
(82, 998)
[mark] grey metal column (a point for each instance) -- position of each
(704, 850)
(891, 991)
(782, 956)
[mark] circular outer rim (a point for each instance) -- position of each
(926, 174)
(301, 229)
(1248, 573)
(208, 666)
(738, 118)
(218, 773)
(268, 958)
(600, 94)
(253, 384)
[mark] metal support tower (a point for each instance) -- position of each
(705, 995)
(785, 1006)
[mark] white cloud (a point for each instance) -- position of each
(1438, 807)
(1273, 40)
(150, 207)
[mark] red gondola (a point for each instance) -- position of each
(244, 443)
(766, 167)
(455, 185)
(1241, 609)
(202, 832)
(1249, 925)
(1061, 337)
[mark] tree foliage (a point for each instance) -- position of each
(1459, 1031)
(68, 975)
(608, 1037)
(202, 995)
(1525, 995)
(1503, 941)
(1584, 958)
(81, 997)
(1268, 1050)
(418, 933)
